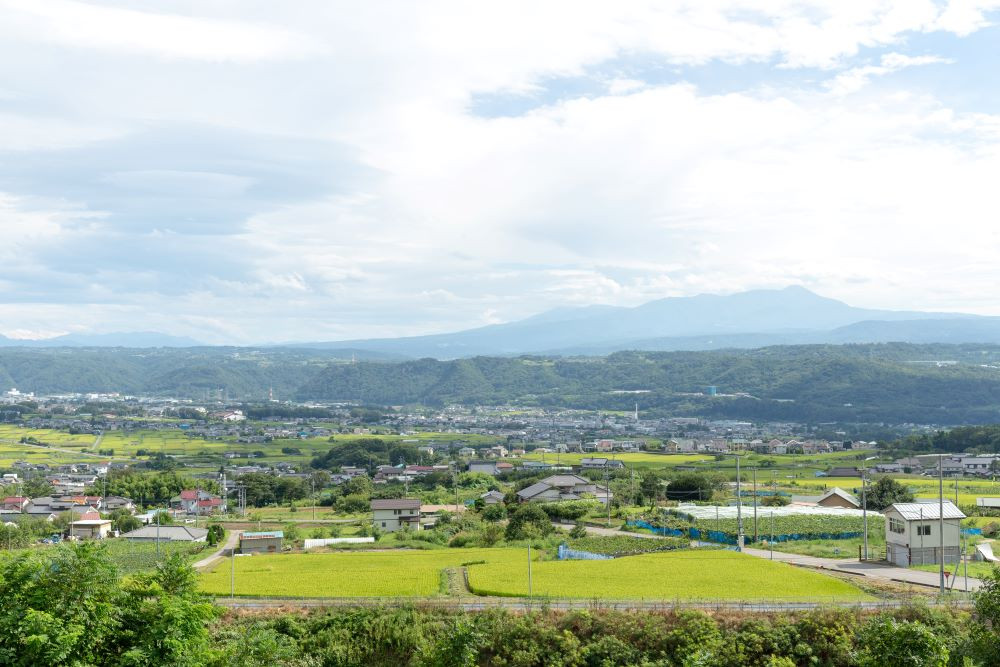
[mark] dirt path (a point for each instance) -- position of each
(227, 548)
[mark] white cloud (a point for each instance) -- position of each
(857, 78)
(85, 25)
(438, 218)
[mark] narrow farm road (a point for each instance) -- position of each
(75, 452)
(97, 441)
(872, 570)
(228, 546)
(609, 532)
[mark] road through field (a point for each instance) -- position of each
(879, 571)
(228, 546)
(74, 452)
(868, 569)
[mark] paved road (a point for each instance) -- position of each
(879, 571)
(869, 569)
(227, 548)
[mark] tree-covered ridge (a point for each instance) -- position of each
(893, 383)
(807, 383)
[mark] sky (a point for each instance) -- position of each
(245, 171)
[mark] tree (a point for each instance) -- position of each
(215, 534)
(886, 642)
(528, 520)
(651, 487)
(495, 512)
(36, 486)
(123, 521)
(355, 503)
(885, 492)
(689, 487)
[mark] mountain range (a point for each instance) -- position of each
(119, 339)
(746, 320)
(752, 319)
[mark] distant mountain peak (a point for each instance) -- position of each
(766, 316)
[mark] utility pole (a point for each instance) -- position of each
(864, 507)
(529, 570)
(771, 543)
(755, 536)
(941, 519)
(232, 574)
(739, 507)
(607, 493)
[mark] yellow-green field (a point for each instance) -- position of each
(11, 452)
(10, 432)
(673, 575)
(924, 487)
(347, 574)
(667, 576)
(642, 459)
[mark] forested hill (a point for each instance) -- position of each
(942, 384)
(893, 383)
(237, 373)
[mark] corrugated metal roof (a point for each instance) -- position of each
(918, 511)
(396, 504)
(534, 490)
(263, 534)
(837, 491)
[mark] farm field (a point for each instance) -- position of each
(683, 575)
(11, 452)
(10, 432)
(131, 557)
(638, 459)
(347, 574)
(502, 571)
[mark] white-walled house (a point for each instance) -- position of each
(392, 514)
(913, 537)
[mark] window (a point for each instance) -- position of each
(383, 524)
(924, 530)
(896, 526)
(397, 512)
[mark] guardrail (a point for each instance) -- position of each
(473, 603)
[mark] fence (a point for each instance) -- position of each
(565, 553)
(310, 543)
(954, 600)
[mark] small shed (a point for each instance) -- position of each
(913, 533)
(267, 542)
(837, 497)
(90, 529)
